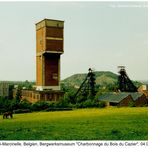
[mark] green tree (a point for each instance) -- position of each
(18, 94)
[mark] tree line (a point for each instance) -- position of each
(68, 102)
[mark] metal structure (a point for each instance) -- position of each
(88, 85)
(125, 84)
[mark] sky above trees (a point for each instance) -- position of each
(100, 35)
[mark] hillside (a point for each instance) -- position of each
(102, 78)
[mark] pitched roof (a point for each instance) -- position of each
(136, 95)
(117, 97)
(113, 97)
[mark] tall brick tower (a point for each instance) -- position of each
(49, 47)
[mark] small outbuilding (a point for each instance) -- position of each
(139, 98)
(124, 99)
(116, 99)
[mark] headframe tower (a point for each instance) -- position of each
(49, 47)
(125, 84)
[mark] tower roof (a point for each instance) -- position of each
(50, 23)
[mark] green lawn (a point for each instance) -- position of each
(82, 124)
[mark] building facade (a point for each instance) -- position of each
(49, 47)
(124, 99)
(35, 95)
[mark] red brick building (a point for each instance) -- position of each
(49, 47)
(35, 95)
(124, 99)
(116, 99)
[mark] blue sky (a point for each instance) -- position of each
(101, 35)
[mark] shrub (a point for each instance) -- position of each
(81, 99)
(61, 104)
(38, 106)
(101, 104)
(88, 103)
(79, 105)
(14, 104)
(51, 104)
(58, 109)
(131, 104)
(25, 104)
(2, 111)
(21, 111)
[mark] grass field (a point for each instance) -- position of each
(82, 124)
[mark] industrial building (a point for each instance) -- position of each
(124, 99)
(127, 95)
(49, 47)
